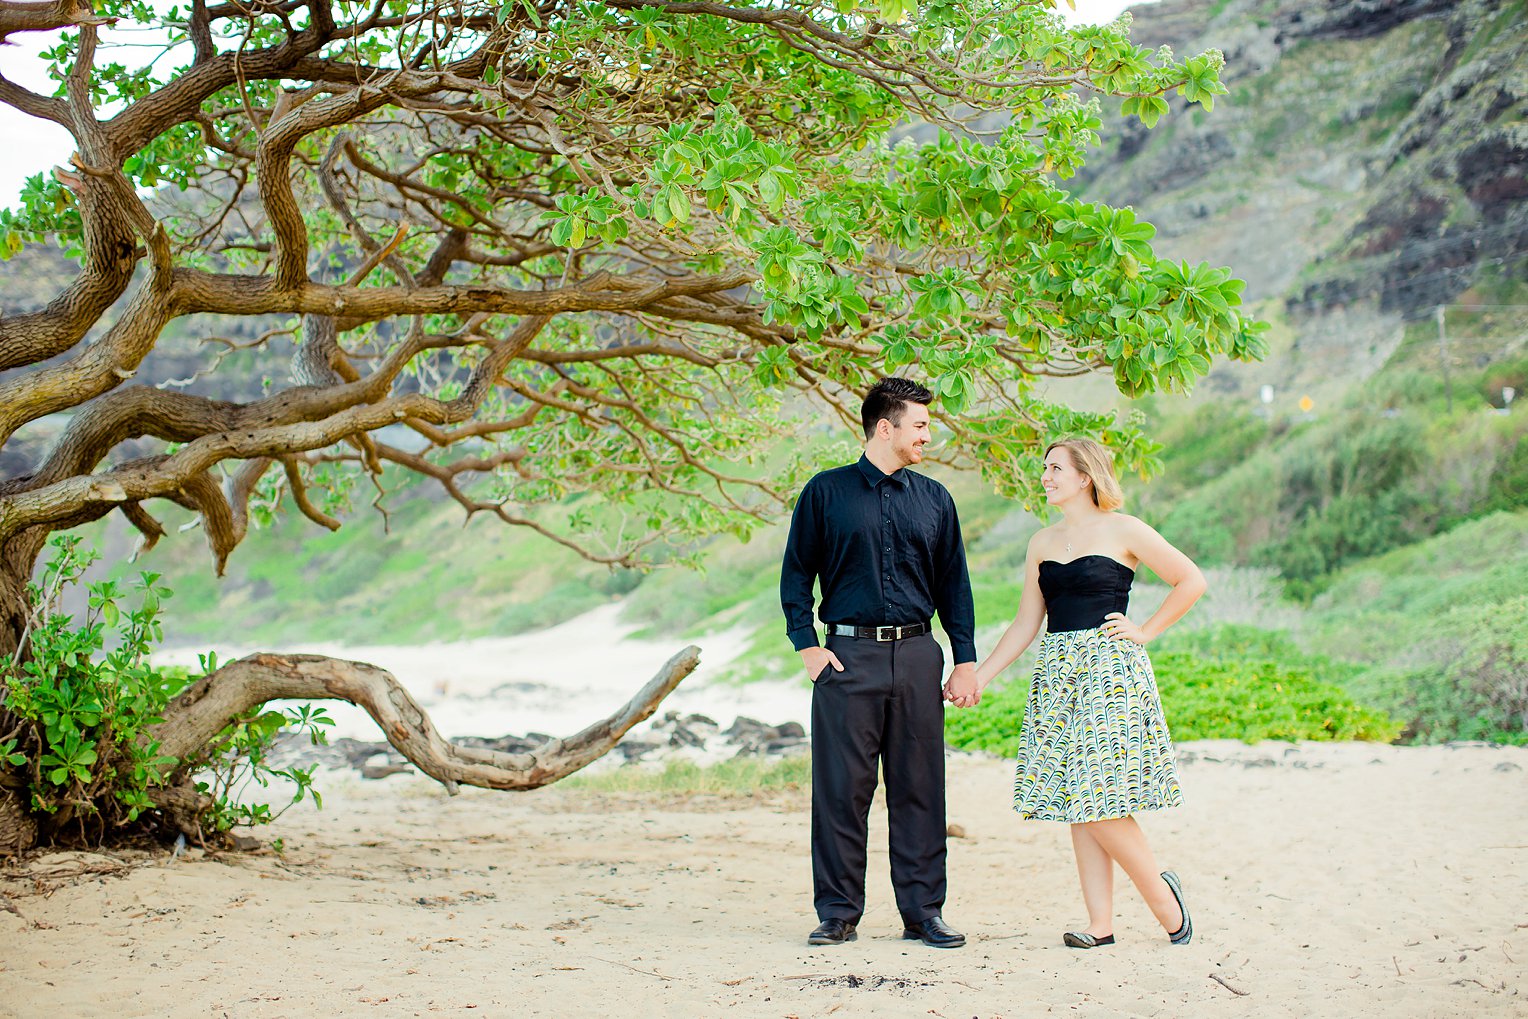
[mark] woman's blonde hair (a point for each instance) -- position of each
(1095, 462)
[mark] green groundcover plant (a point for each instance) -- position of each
(87, 700)
(1230, 682)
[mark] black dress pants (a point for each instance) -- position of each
(886, 707)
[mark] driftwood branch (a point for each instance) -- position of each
(195, 718)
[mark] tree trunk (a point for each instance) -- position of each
(18, 831)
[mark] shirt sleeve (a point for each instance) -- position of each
(798, 571)
(952, 589)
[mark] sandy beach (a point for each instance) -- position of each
(1325, 879)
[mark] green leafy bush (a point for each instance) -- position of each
(1435, 631)
(1471, 679)
(1261, 699)
(86, 711)
(1508, 486)
(1348, 499)
(87, 700)
(1226, 682)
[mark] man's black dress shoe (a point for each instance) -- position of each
(935, 933)
(832, 931)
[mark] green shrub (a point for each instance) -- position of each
(1508, 487)
(84, 716)
(1349, 498)
(1225, 682)
(1468, 678)
(1434, 631)
(1347, 528)
(1260, 699)
(88, 699)
(1205, 443)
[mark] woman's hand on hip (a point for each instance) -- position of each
(1117, 627)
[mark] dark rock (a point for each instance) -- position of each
(634, 749)
(501, 744)
(743, 724)
(683, 737)
(357, 751)
(1354, 19)
(384, 770)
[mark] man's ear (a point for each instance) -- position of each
(883, 429)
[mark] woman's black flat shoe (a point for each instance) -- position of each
(1074, 939)
(1183, 934)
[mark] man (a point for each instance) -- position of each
(885, 544)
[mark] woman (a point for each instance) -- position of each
(1095, 749)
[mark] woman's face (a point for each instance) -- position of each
(1061, 479)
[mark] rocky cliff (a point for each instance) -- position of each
(1369, 164)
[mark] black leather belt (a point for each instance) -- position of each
(878, 632)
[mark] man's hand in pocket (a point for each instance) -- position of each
(817, 659)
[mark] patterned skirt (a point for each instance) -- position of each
(1094, 743)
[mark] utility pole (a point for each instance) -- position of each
(1448, 389)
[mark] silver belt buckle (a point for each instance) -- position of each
(887, 633)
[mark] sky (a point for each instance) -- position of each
(29, 146)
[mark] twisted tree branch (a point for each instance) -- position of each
(195, 718)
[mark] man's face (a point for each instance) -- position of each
(908, 437)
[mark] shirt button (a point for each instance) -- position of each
(888, 548)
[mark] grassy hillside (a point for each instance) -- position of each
(1440, 629)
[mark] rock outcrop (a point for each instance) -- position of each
(1369, 164)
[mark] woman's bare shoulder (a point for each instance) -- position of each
(1124, 523)
(1041, 538)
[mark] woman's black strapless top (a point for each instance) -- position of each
(1080, 593)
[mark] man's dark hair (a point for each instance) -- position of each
(888, 399)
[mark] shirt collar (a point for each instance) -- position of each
(873, 475)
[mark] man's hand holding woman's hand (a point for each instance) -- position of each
(817, 659)
(964, 687)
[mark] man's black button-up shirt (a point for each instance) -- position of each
(887, 550)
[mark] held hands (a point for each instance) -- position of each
(817, 659)
(964, 687)
(1117, 627)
